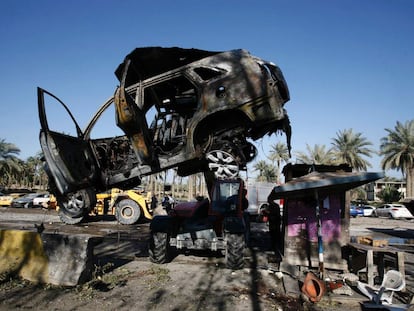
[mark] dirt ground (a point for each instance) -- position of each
(124, 279)
(187, 283)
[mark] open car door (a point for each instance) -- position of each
(70, 161)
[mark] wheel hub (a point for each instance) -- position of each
(127, 212)
(223, 164)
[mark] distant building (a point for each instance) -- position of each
(374, 188)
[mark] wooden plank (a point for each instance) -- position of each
(401, 263)
(370, 267)
(368, 240)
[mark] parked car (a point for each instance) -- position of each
(6, 200)
(393, 211)
(368, 210)
(26, 201)
(42, 200)
(189, 109)
(355, 211)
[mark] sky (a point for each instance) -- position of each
(348, 64)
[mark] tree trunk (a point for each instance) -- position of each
(410, 182)
(173, 186)
(190, 186)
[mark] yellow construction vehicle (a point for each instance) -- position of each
(126, 205)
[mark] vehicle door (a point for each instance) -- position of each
(70, 162)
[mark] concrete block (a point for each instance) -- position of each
(57, 259)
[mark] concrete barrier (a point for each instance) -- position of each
(47, 258)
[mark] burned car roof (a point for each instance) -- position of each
(152, 61)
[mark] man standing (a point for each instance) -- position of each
(246, 216)
(275, 221)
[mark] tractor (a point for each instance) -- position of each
(216, 224)
(128, 206)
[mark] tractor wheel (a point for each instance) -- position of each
(159, 247)
(234, 251)
(127, 211)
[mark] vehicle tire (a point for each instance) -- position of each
(127, 211)
(390, 216)
(69, 219)
(75, 206)
(159, 249)
(234, 251)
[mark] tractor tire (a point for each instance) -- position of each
(234, 251)
(127, 211)
(159, 247)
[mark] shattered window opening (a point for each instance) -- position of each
(171, 103)
(207, 73)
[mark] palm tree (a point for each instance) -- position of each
(397, 148)
(348, 148)
(270, 173)
(316, 155)
(267, 172)
(389, 194)
(36, 174)
(10, 165)
(261, 167)
(279, 153)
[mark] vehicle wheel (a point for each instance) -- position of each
(234, 251)
(74, 207)
(69, 219)
(159, 247)
(127, 211)
(222, 164)
(390, 216)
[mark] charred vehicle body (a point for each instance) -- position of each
(190, 109)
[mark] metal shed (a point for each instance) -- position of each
(316, 213)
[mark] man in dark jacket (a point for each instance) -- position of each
(275, 220)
